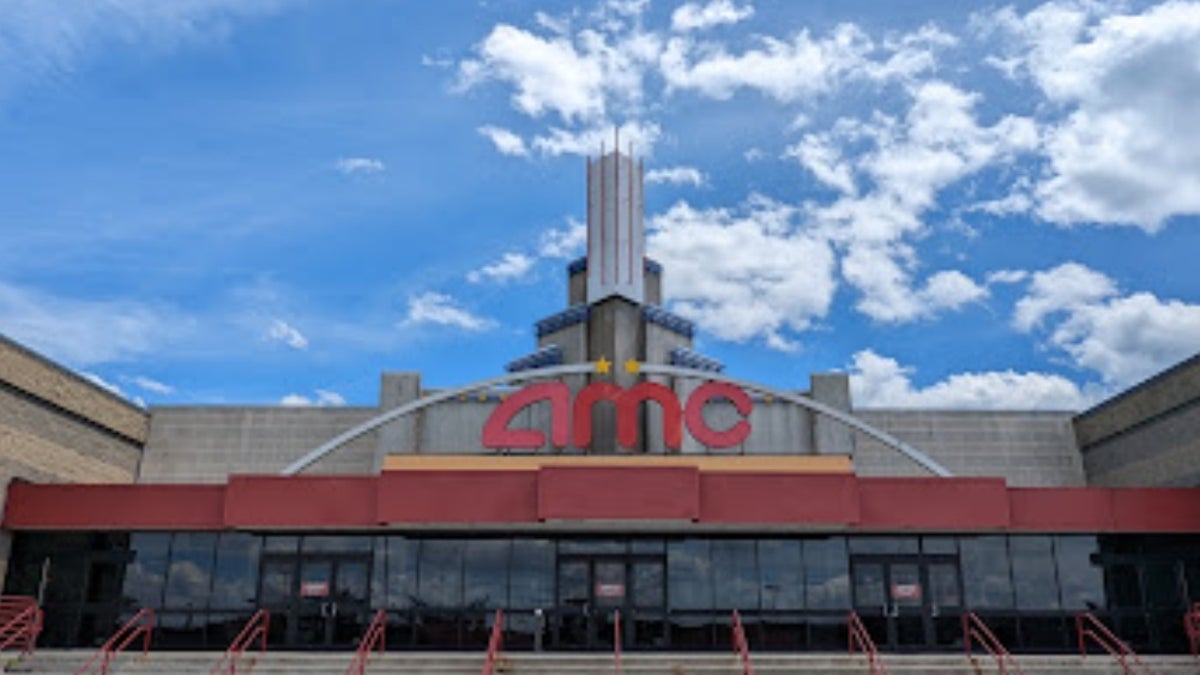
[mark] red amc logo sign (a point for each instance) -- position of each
(573, 421)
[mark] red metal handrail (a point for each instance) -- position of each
(141, 625)
(1191, 625)
(740, 645)
(617, 641)
(860, 638)
(20, 622)
(493, 652)
(1088, 626)
(975, 628)
(375, 635)
(255, 629)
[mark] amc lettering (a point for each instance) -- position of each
(572, 421)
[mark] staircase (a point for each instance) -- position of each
(64, 662)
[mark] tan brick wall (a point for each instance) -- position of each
(24, 370)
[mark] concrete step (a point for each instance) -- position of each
(65, 662)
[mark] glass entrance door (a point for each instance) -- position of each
(908, 602)
(593, 589)
(320, 600)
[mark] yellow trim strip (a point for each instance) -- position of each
(725, 463)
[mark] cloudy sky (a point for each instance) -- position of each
(961, 205)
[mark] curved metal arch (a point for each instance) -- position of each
(585, 368)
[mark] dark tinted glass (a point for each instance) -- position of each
(401, 572)
(826, 573)
(236, 573)
(883, 544)
(781, 567)
(146, 572)
(439, 573)
(189, 576)
(1034, 574)
(986, 575)
(485, 573)
(735, 574)
(1080, 579)
(336, 544)
(531, 579)
(689, 574)
(1163, 585)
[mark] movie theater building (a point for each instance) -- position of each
(612, 468)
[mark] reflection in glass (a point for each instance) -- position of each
(402, 572)
(648, 585)
(531, 580)
(325, 543)
(189, 576)
(485, 573)
(883, 544)
(689, 574)
(781, 568)
(439, 573)
(735, 574)
(236, 572)
(1080, 579)
(826, 573)
(985, 572)
(868, 587)
(146, 573)
(1033, 572)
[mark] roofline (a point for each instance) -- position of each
(1115, 399)
(46, 361)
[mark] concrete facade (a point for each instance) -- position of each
(1148, 435)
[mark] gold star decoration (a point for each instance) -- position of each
(604, 366)
(632, 366)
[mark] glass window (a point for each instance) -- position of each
(1080, 577)
(485, 573)
(146, 571)
(883, 544)
(1033, 572)
(285, 543)
(379, 572)
(782, 573)
(402, 572)
(1126, 586)
(593, 546)
(531, 579)
(439, 573)
(1163, 586)
(336, 544)
(826, 573)
(689, 574)
(735, 574)
(189, 577)
(235, 575)
(986, 574)
(939, 545)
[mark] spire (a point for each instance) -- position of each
(615, 225)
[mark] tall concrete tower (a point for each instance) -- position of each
(616, 229)
(614, 293)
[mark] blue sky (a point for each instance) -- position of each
(986, 205)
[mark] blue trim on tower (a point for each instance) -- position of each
(686, 358)
(672, 322)
(567, 317)
(550, 355)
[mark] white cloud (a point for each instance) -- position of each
(746, 273)
(102, 383)
(676, 175)
(321, 398)
(907, 162)
(441, 310)
(802, 67)
(692, 16)
(506, 142)
(352, 165)
(588, 141)
(1126, 151)
(564, 243)
(510, 267)
(281, 331)
(1007, 276)
(86, 332)
(153, 386)
(1124, 338)
(880, 382)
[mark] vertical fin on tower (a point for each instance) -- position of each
(615, 226)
